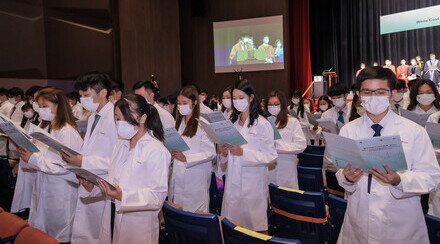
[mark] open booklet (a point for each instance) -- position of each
(17, 134)
(433, 130)
(223, 132)
(86, 174)
(214, 116)
(276, 132)
(417, 118)
(328, 125)
(313, 118)
(52, 143)
(173, 140)
(366, 153)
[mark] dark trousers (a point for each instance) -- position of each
(7, 184)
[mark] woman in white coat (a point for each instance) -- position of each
(424, 97)
(189, 185)
(298, 110)
(434, 197)
(227, 102)
(283, 172)
(139, 171)
(54, 194)
(246, 187)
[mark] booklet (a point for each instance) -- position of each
(418, 118)
(223, 132)
(276, 132)
(52, 143)
(173, 140)
(366, 153)
(433, 130)
(214, 116)
(17, 135)
(313, 118)
(294, 114)
(329, 125)
(83, 173)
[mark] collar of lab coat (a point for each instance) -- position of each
(418, 110)
(104, 111)
(390, 119)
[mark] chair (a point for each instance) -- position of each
(185, 227)
(312, 149)
(310, 160)
(34, 236)
(333, 186)
(433, 224)
(298, 214)
(337, 207)
(233, 234)
(310, 179)
(10, 226)
(215, 196)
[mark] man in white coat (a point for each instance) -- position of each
(149, 91)
(384, 205)
(99, 140)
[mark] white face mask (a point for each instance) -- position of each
(398, 96)
(35, 107)
(184, 109)
(274, 109)
(46, 114)
(241, 104)
(360, 110)
(227, 103)
(425, 99)
(29, 114)
(339, 102)
(12, 100)
(323, 107)
(125, 130)
(88, 104)
(295, 101)
(375, 104)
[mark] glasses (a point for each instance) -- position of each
(378, 92)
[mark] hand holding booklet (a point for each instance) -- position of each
(52, 143)
(16, 134)
(87, 175)
(223, 132)
(366, 153)
(173, 140)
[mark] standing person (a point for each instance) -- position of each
(432, 69)
(414, 70)
(227, 102)
(16, 97)
(340, 112)
(189, 184)
(297, 109)
(420, 62)
(381, 203)
(324, 104)
(139, 171)
(77, 109)
(283, 172)
(246, 191)
(99, 140)
(402, 70)
(55, 192)
(424, 97)
(390, 66)
(150, 92)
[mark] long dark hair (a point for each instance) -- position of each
(254, 105)
(191, 93)
(283, 116)
(300, 110)
(137, 104)
(354, 113)
(415, 90)
(33, 120)
(327, 99)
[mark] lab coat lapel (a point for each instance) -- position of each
(89, 139)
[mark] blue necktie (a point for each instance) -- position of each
(95, 122)
(377, 128)
(341, 117)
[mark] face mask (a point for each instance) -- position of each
(241, 104)
(35, 107)
(184, 109)
(88, 104)
(339, 102)
(227, 103)
(295, 101)
(274, 109)
(12, 100)
(323, 107)
(375, 104)
(202, 98)
(29, 114)
(360, 110)
(125, 130)
(46, 114)
(425, 99)
(398, 97)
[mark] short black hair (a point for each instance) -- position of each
(94, 80)
(148, 85)
(118, 86)
(15, 91)
(32, 90)
(376, 72)
(162, 100)
(400, 85)
(73, 95)
(337, 89)
(3, 92)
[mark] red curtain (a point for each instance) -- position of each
(300, 44)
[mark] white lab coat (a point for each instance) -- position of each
(418, 110)
(283, 172)
(17, 115)
(55, 191)
(390, 214)
(333, 114)
(78, 111)
(246, 187)
(189, 185)
(204, 109)
(165, 117)
(434, 197)
(5, 109)
(304, 122)
(96, 150)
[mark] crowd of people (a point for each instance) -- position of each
(123, 143)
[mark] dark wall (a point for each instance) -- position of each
(197, 45)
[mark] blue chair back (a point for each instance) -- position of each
(433, 224)
(310, 160)
(190, 228)
(310, 179)
(298, 214)
(215, 196)
(232, 234)
(314, 149)
(333, 186)
(337, 207)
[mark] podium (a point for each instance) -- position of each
(329, 76)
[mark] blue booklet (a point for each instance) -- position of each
(223, 132)
(17, 135)
(173, 140)
(276, 132)
(214, 116)
(433, 130)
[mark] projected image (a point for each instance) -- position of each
(249, 45)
